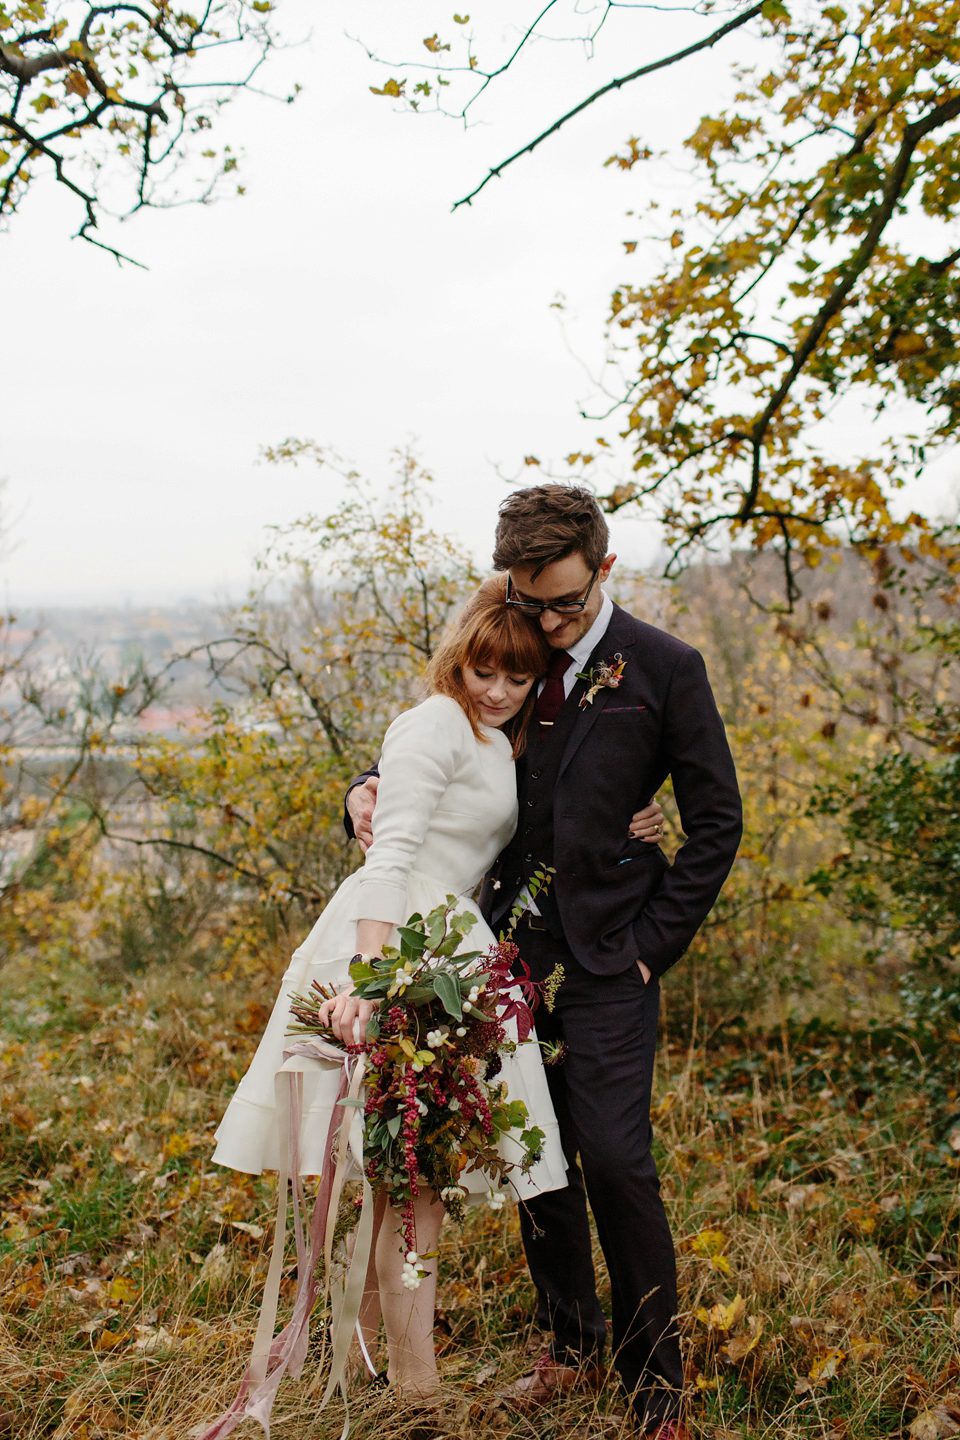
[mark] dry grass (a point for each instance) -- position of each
(813, 1192)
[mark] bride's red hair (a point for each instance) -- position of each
(489, 633)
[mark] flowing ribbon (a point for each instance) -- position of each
(275, 1357)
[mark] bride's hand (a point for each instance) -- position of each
(347, 1016)
(647, 824)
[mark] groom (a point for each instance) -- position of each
(616, 917)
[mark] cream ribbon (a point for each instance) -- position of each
(275, 1357)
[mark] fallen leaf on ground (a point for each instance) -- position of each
(151, 1340)
(937, 1423)
(110, 1339)
(122, 1288)
(216, 1266)
(709, 1245)
(723, 1317)
(738, 1349)
(825, 1366)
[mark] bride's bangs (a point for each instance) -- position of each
(488, 633)
(502, 640)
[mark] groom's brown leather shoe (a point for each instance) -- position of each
(546, 1380)
(668, 1430)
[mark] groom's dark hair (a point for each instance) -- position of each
(544, 523)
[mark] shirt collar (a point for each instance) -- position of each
(584, 648)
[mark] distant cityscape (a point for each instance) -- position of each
(114, 638)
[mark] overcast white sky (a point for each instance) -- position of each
(340, 300)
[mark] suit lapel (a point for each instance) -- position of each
(616, 637)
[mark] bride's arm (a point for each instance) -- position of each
(372, 935)
(421, 751)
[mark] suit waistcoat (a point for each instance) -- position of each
(532, 847)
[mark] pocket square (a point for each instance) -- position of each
(622, 709)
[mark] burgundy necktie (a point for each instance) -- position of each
(551, 697)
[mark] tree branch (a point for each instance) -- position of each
(24, 69)
(704, 44)
(892, 190)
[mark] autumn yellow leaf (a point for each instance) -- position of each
(709, 1245)
(76, 83)
(735, 1351)
(122, 1289)
(906, 345)
(110, 1339)
(392, 87)
(825, 1366)
(723, 1317)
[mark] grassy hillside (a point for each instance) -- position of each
(811, 1177)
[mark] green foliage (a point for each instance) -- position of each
(901, 818)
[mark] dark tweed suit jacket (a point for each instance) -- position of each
(619, 899)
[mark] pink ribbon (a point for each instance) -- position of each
(273, 1358)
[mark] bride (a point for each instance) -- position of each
(446, 807)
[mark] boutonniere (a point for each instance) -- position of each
(604, 676)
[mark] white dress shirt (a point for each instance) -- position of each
(579, 654)
(585, 646)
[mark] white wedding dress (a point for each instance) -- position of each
(446, 806)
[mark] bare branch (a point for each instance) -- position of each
(851, 271)
(704, 44)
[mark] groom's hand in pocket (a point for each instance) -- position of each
(644, 972)
(361, 801)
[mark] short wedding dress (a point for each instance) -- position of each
(446, 807)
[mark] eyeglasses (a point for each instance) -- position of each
(559, 607)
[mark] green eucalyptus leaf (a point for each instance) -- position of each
(447, 990)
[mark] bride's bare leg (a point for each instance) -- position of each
(408, 1315)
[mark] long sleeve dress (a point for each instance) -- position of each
(446, 807)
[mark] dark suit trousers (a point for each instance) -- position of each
(601, 1095)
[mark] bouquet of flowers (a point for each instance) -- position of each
(433, 1050)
